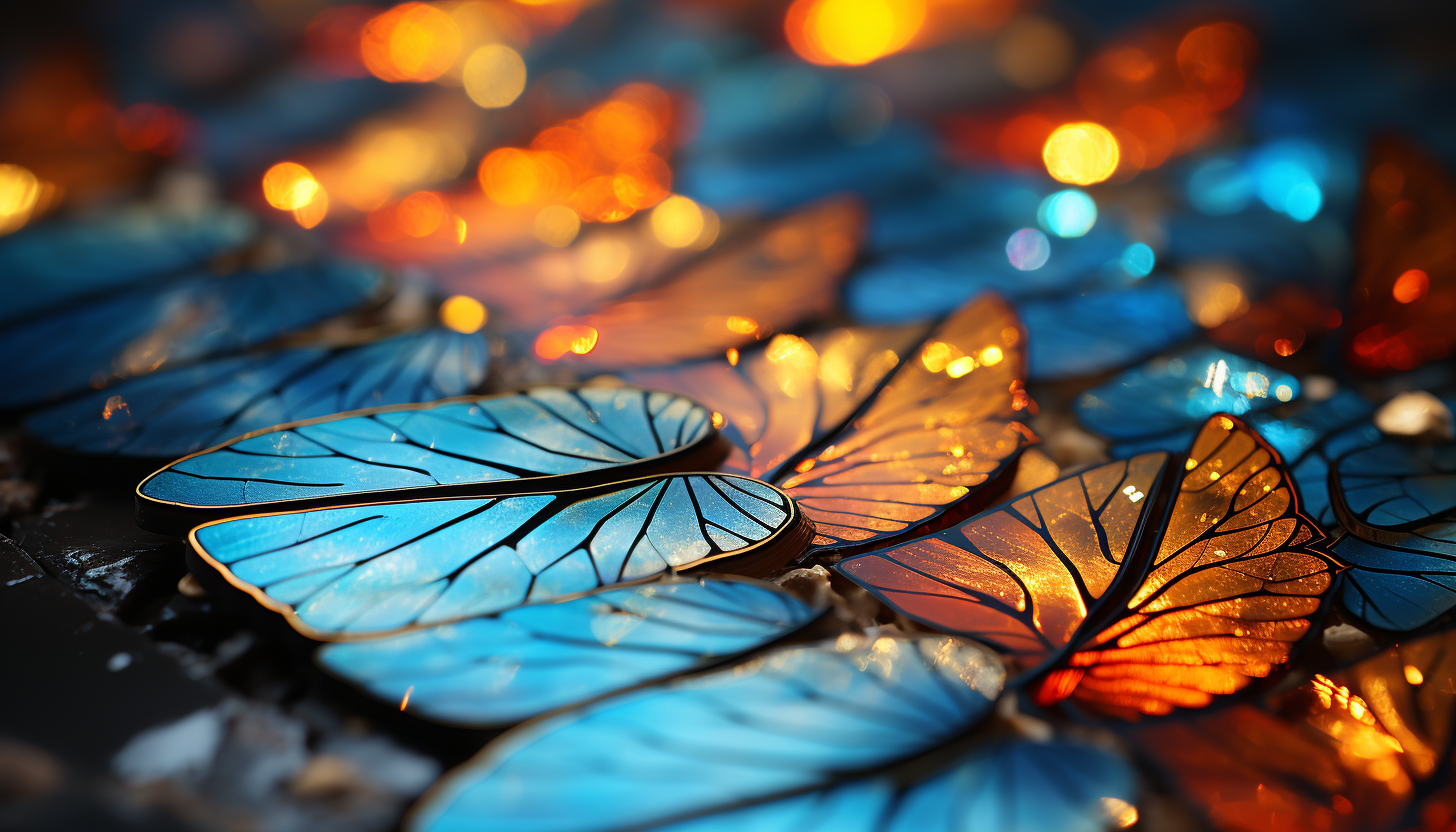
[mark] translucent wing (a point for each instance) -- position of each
(947, 423)
(1397, 486)
(491, 444)
(1021, 577)
(1231, 586)
(501, 669)
(779, 399)
(341, 572)
(795, 721)
(1171, 393)
(1397, 586)
(176, 412)
(1404, 291)
(1057, 786)
(141, 329)
(47, 266)
(1071, 336)
(782, 276)
(1347, 753)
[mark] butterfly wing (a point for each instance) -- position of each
(1397, 587)
(341, 572)
(501, 669)
(947, 423)
(796, 720)
(782, 276)
(777, 400)
(1396, 487)
(140, 330)
(495, 442)
(1023, 576)
(1231, 586)
(1179, 392)
(1404, 292)
(1072, 336)
(176, 412)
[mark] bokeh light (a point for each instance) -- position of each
(1219, 187)
(1028, 249)
(1138, 260)
(494, 76)
(410, 42)
(421, 213)
(314, 211)
(19, 193)
(1082, 153)
(677, 222)
(1068, 213)
(852, 32)
(557, 225)
(289, 186)
(570, 338)
(1288, 175)
(1411, 286)
(463, 314)
(1034, 52)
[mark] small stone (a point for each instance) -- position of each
(328, 776)
(1415, 415)
(808, 585)
(191, 587)
(1318, 388)
(1348, 643)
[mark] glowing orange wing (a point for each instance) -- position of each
(947, 422)
(1232, 585)
(775, 401)
(1343, 754)
(1404, 294)
(1021, 577)
(782, 276)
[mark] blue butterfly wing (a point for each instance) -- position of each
(136, 331)
(175, 412)
(1173, 393)
(1397, 587)
(1101, 330)
(495, 439)
(1012, 785)
(1397, 484)
(377, 568)
(50, 265)
(497, 670)
(797, 719)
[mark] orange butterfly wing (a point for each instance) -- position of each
(1233, 584)
(947, 422)
(782, 276)
(1404, 294)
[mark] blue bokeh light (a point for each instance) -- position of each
(1068, 213)
(1028, 249)
(1219, 187)
(1138, 260)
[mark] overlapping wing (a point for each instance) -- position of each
(48, 266)
(784, 275)
(796, 721)
(1072, 337)
(779, 399)
(341, 572)
(1397, 587)
(945, 424)
(546, 432)
(1397, 486)
(500, 669)
(1404, 292)
(1232, 585)
(1179, 392)
(142, 329)
(176, 412)
(1346, 754)
(1023, 576)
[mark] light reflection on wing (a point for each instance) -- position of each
(947, 422)
(797, 719)
(176, 412)
(501, 669)
(782, 276)
(343, 572)
(544, 432)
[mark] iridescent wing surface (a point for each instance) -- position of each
(1100, 330)
(337, 573)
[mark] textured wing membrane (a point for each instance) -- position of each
(1347, 753)
(175, 412)
(1233, 584)
(777, 400)
(784, 275)
(501, 669)
(795, 720)
(1395, 485)
(1397, 587)
(508, 440)
(1023, 576)
(947, 422)
(338, 573)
